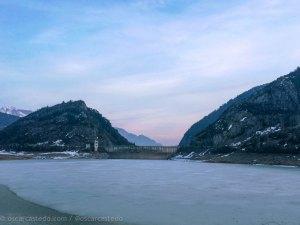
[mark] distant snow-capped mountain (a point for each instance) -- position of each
(139, 140)
(14, 111)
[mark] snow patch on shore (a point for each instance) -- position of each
(189, 156)
(58, 143)
(48, 155)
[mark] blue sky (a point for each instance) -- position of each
(153, 67)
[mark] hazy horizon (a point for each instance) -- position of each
(150, 67)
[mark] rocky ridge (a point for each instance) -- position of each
(66, 126)
(267, 121)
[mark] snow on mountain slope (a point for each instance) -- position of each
(14, 111)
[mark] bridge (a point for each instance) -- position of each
(141, 152)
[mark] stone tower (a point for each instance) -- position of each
(96, 144)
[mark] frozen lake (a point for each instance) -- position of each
(160, 192)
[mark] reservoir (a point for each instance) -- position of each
(164, 192)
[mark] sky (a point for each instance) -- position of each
(151, 67)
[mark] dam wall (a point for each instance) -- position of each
(141, 152)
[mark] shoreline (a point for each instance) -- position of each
(18, 211)
(291, 160)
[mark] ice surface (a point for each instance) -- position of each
(160, 192)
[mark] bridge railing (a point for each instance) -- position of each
(160, 149)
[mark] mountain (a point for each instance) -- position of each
(139, 140)
(14, 111)
(265, 121)
(6, 119)
(65, 126)
(213, 117)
